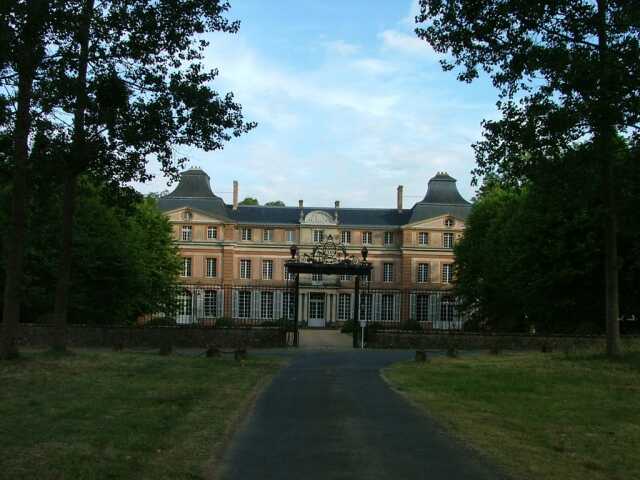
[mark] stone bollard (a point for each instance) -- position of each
(421, 356)
(240, 354)
(213, 352)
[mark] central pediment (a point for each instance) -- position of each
(318, 217)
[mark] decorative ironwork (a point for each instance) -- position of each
(330, 253)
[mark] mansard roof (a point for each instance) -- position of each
(442, 198)
(194, 191)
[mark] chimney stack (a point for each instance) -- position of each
(400, 192)
(335, 214)
(235, 194)
(301, 206)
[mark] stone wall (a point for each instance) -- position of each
(153, 337)
(476, 341)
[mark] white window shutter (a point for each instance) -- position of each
(396, 307)
(277, 305)
(412, 303)
(256, 305)
(219, 303)
(236, 304)
(377, 307)
(199, 310)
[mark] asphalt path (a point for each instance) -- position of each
(330, 415)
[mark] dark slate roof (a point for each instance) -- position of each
(346, 216)
(442, 198)
(194, 191)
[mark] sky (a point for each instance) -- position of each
(349, 105)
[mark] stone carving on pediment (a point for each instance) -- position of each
(318, 217)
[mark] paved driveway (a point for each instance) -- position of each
(329, 415)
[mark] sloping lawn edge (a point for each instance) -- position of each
(551, 416)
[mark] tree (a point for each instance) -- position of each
(249, 201)
(275, 203)
(566, 71)
(130, 75)
(22, 33)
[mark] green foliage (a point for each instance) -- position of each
(276, 203)
(249, 201)
(533, 255)
(347, 327)
(125, 262)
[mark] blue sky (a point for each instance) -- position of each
(349, 104)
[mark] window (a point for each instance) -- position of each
(212, 267)
(447, 310)
(366, 304)
(267, 269)
(446, 273)
(288, 275)
(447, 240)
(210, 303)
(316, 277)
(212, 232)
(245, 268)
(366, 277)
(246, 234)
(448, 222)
(267, 235)
(423, 272)
(388, 238)
(423, 238)
(387, 272)
(266, 305)
(422, 307)
(187, 233)
(184, 303)
(318, 236)
(386, 308)
(345, 237)
(366, 238)
(288, 305)
(345, 277)
(344, 306)
(244, 303)
(186, 267)
(289, 236)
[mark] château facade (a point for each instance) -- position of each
(234, 256)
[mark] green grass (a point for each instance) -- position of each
(99, 415)
(539, 416)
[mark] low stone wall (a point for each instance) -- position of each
(477, 341)
(154, 337)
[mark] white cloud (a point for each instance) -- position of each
(341, 47)
(373, 66)
(402, 42)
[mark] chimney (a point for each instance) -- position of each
(235, 194)
(337, 207)
(400, 191)
(301, 206)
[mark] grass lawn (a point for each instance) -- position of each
(100, 415)
(540, 416)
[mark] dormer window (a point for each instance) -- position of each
(448, 222)
(187, 233)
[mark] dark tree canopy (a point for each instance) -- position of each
(249, 201)
(275, 203)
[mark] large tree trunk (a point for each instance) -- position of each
(78, 161)
(605, 136)
(31, 48)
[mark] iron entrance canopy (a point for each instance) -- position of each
(329, 258)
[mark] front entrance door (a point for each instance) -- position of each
(316, 310)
